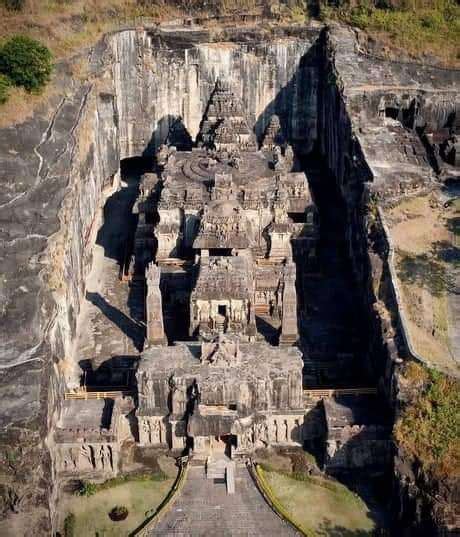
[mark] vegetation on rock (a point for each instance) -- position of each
(5, 86)
(416, 26)
(69, 525)
(86, 489)
(429, 426)
(26, 62)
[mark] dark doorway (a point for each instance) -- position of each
(222, 310)
(222, 252)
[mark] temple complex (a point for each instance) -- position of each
(225, 243)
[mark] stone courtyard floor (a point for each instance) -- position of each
(205, 506)
(110, 324)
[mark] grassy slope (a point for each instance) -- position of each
(429, 427)
(141, 497)
(322, 509)
(423, 29)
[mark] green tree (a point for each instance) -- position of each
(26, 62)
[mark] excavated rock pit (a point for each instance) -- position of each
(59, 168)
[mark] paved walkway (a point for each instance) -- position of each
(204, 509)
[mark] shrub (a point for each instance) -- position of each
(86, 489)
(14, 5)
(120, 512)
(5, 85)
(26, 62)
(69, 525)
(429, 428)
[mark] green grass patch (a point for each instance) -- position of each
(429, 427)
(87, 488)
(141, 495)
(415, 26)
(321, 506)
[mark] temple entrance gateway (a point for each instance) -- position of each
(222, 445)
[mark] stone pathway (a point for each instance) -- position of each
(204, 509)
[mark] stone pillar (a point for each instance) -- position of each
(289, 331)
(154, 307)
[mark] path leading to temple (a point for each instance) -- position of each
(204, 508)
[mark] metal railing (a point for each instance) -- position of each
(85, 395)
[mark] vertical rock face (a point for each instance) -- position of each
(58, 168)
(155, 86)
(369, 156)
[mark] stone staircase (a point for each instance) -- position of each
(220, 324)
(216, 466)
(220, 467)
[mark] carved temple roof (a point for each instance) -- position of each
(224, 124)
(223, 278)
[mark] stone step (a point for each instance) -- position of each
(216, 467)
(216, 476)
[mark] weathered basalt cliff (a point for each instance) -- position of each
(375, 120)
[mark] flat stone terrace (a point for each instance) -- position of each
(204, 508)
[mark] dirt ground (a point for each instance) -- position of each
(424, 231)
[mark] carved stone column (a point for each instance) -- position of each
(289, 330)
(154, 308)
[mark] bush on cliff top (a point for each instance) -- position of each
(26, 62)
(429, 427)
